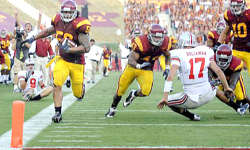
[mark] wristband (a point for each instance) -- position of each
(168, 86)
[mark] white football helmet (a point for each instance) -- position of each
(187, 39)
(29, 63)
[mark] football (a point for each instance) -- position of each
(69, 42)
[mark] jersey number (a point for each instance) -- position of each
(33, 83)
(60, 34)
(191, 61)
(240, 30)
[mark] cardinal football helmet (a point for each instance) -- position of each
(156, 35)
(237, 7)
(68, 10)
(224, 56)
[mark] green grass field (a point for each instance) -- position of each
(141, 124)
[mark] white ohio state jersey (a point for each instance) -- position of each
(193, 64)
(33, 80)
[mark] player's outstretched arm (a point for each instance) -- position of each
(234, 79)
(132, 59)
(46, 32)
(168, 86)
(220, 74)
(224, 33)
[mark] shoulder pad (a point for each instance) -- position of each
(210, 35)
(140, 43)
(228, 15)
(55, 19)
(236, 64)
(82, 24)
(166, 44)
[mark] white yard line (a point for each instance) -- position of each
(161, 124)
(42, 119)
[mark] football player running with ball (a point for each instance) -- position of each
(193, 63)
(145, 50)
(69, 27)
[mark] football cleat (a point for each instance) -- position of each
(57, 117)
(68, 84)
(242, 110)
(129, 99)
(196, 118)
(110, 113)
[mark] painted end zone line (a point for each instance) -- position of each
(143, 148)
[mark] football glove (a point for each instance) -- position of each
(28, 74)
(143, 65)
(230, 95)
(64, 46)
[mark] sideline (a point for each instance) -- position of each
(40, 121)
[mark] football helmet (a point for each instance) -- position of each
(3, 33)
(156, 35)
(136, 32)
(68, 10)
(29, 63)
(187, 39)
(220, 26)
(237, 7)
(224, 56)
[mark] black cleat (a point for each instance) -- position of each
(129, 99)
(68, 84)
(110, 113)
(57, 117)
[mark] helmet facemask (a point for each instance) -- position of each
(224, 56)
(237, 8)
(156, 38)
(68, 11)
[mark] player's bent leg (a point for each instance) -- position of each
(125, 80)
(145, 81)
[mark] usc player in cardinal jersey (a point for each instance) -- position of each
(70, 26)
(106, 60)
(238, 20)
(232, 66)
(213, 35)
(145, 50)
(4, 47)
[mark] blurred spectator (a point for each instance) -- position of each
(94, 57)
(195, 16)
(43, 49)
(116, 62)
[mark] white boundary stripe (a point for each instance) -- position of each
(72, 131)
(163, 124)
(150, 147)
(153, 111)
(66, 136)
(69, 141)
(43, 119)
